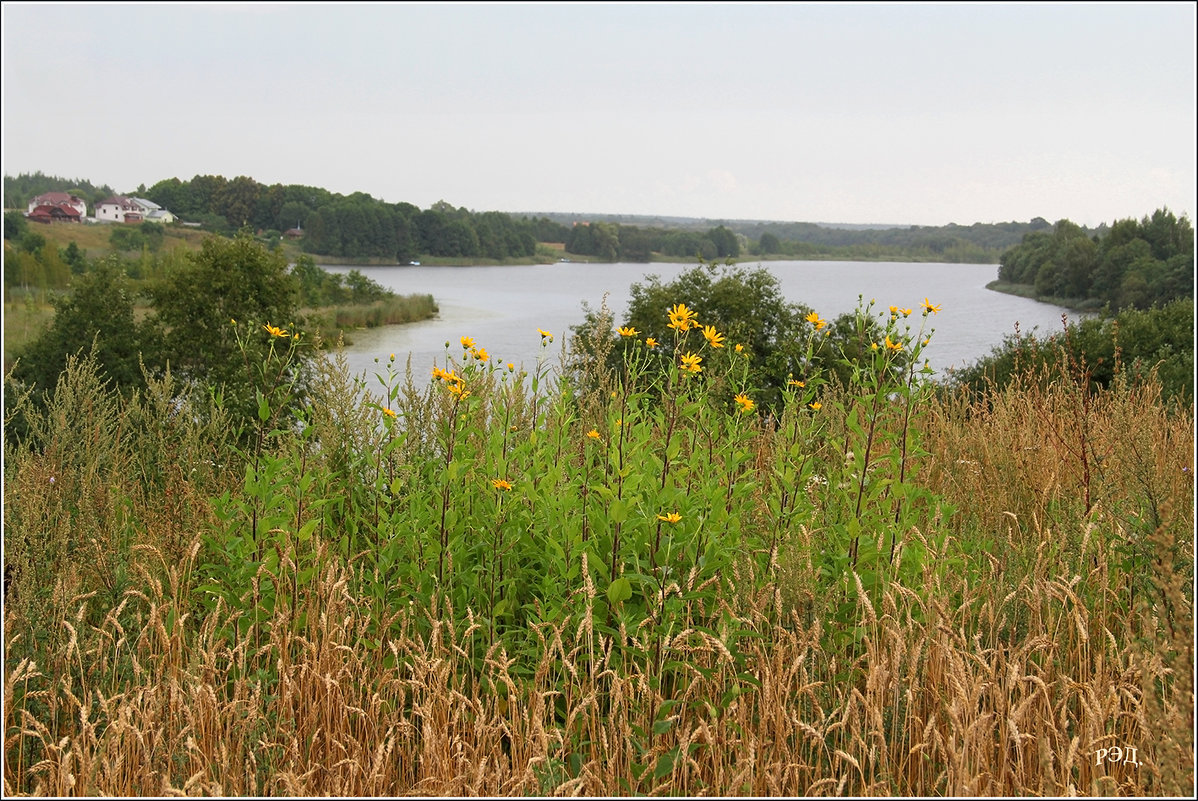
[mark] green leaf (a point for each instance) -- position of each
(619, 590)
(665, 763)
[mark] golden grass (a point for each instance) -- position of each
(947, 706)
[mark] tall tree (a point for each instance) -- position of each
(210, 315)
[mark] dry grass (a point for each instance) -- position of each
(948, 706)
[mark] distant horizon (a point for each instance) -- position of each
(627, 215)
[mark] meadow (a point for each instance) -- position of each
(602, 582)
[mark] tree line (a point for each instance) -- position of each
(1132, 264)
(355, 225)
(19, 190)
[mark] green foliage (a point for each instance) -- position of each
(75, 258)
(147, 235)
(1127, 346)
(98, 312)
(211, 314)
(1133, 265)
(15, 225)
(21, 189)
(776, 340)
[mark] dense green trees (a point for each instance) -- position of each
(20, 189)
(215, 317)
(1134, 264)
(216, 303)
(99, 312)
(609, 241)
(354, 226)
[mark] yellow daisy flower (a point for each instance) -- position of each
(682, 318)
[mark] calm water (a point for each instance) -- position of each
(502, 307)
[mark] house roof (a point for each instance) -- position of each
(50, 210)
(56, 198)
(118, 200)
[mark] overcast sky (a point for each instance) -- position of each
(920, 114)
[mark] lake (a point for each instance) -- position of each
(502, 307)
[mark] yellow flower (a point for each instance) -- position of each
(511, 367)
(500, 484)
(682, 318)
(740, 348)
(873, 346)
(232, 321)
(275, 331)
(627, 331)
(746, 403)
(459, 389)
(815, 320)
(545, 334)
(670, 517)
(651, 342)
(481, 354)
(905, 312)
(796, 383)
(928, 307)
(894, 311)
(390, 413)
(816, 405)
(690, 363)
(593, 434)
(467, 342)
(716, 340)
(893, 345)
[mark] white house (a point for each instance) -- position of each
(119, 208)
(60, 199)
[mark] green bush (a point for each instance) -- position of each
(1127, 346)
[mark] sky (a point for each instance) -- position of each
(896, 113)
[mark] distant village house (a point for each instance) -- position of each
(119, 208)
(56, 207)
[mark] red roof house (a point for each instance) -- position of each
(47, 213)
(60, 200)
